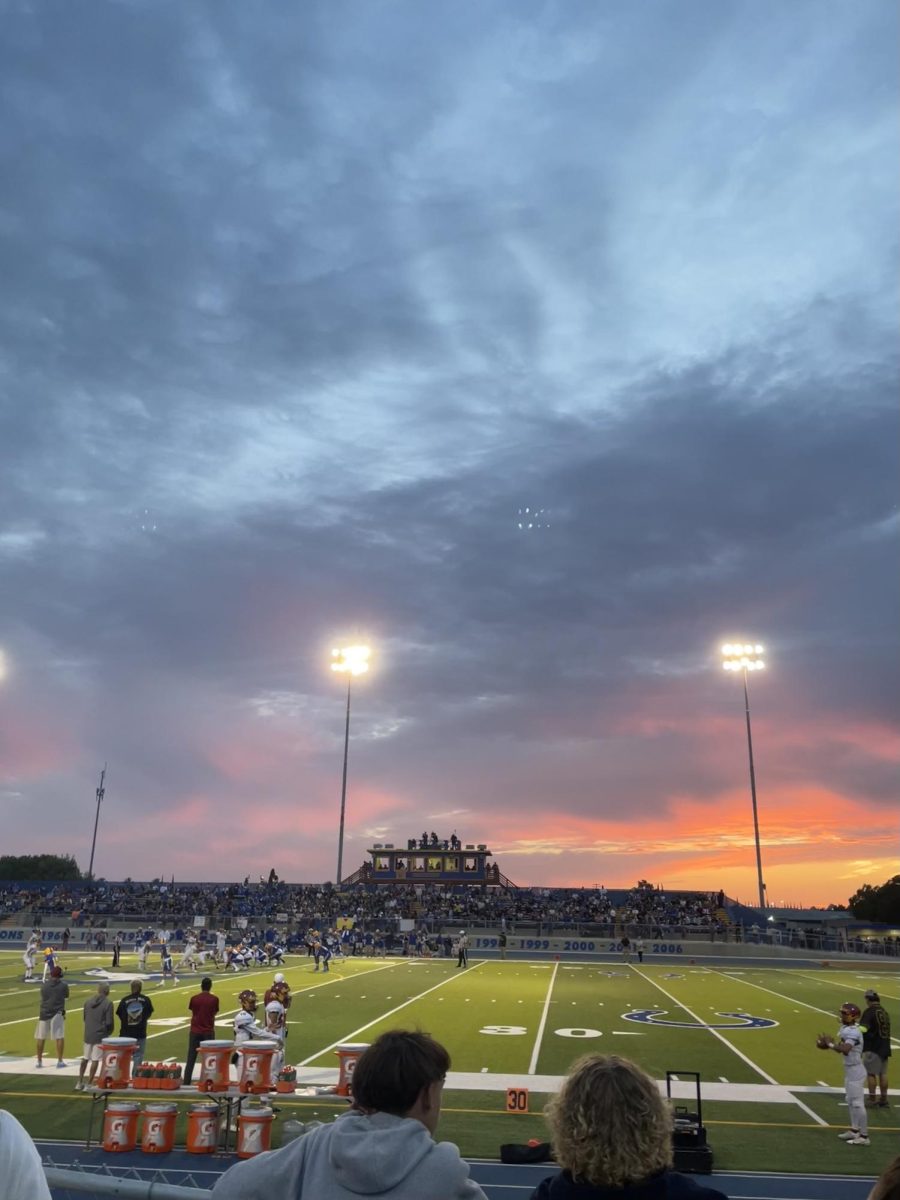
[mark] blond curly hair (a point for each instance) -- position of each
(609, 1125)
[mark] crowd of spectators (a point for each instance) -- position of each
(644, 910)
(84, 905)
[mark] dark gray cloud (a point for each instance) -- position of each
(302, 308)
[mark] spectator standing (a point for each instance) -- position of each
(501, 942)
(612, 1135)
(382, 1147)
(52, 1016)
(639, 948)
(134, 1011)
(876, 1030)
(117, 951)
(98, 1024)
(204, 1007)
(20, 1164)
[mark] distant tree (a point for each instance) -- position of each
(877, 903)
(642, 884)
(38, 866)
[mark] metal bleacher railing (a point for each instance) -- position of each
(76, 1181)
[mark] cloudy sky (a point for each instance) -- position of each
(307, 309)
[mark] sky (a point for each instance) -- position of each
(543, 346)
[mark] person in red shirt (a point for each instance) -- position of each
(204, 1007)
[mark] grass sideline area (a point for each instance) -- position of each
(770, 1099)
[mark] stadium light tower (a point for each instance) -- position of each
(743, 657)
(100, 793)
(352, 660)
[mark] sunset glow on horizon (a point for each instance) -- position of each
(538, 356)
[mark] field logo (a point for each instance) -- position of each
(651, 1016)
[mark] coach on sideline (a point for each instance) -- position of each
(382, 1147)
(52, 1016)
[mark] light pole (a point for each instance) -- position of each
(353, 660)
(740, 656)
(101, 792)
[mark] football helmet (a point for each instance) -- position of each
(248, 1000)
(850, 1013)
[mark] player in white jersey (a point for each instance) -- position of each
(29, 956)
(143, 951)
(275, 1031)
(848, 1041)
(189, 955)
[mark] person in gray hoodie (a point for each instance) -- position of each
(98, 1024)
(382, 1147)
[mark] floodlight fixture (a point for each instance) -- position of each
(351, 661)
(746, 657)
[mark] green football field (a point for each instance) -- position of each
(768, 1096)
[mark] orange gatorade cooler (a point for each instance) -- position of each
(348, 1056)
(203, 1128)
(215, 1058)
(159, 1128)
(256, 1065)
(115, 1062)
(120, 1126)
(254, 1131)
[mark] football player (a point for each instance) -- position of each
(848, 1041)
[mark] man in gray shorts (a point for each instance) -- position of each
(52, 1016)
(98, 1024)
(876, 1026)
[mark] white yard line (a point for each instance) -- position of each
(828, 1012)
(301, 991)
(724, 1040)
(348, 1037)
(532, 1066)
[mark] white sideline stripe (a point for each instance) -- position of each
(383, 1016)
(750, 1063)
(532, 1066)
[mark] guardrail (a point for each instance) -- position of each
(98, 1182)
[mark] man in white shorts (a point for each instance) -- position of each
(52, 1016)
(98, 1024)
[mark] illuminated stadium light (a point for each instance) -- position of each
(746, 657)
(738, 656)
(354, 659)
(351, 660)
